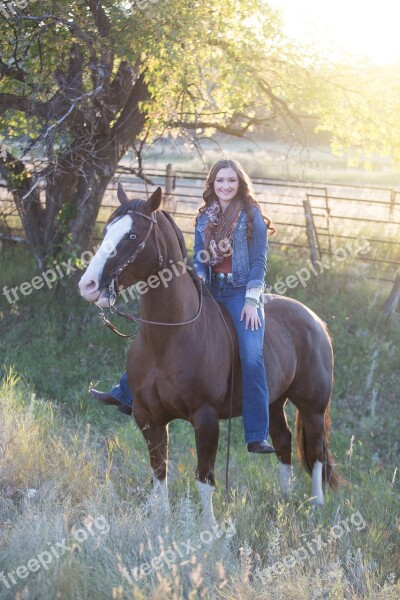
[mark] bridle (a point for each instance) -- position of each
(113, 285)
(139, 249)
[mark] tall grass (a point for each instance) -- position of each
(66, 461)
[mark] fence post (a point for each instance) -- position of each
(392, 202)
(328, 221)
(393, 300)
(168, 180)
(312, 244)
(169, 203)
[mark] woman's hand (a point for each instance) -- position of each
(249, 311)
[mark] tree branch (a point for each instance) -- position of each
(228, 129)
(24, 104)
(131, 119)
(14, 72)
(73, 27)
(121, 86)
(100, 18)
(267, 89)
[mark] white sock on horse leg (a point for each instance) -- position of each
(286, 478)
(206, 491)
(316, 488)
(160, 488)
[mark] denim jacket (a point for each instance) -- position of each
(249, 257)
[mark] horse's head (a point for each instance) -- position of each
(130, 232)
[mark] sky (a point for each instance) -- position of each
(365, 29)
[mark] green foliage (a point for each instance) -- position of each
(207, 63)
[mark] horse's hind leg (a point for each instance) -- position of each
(206, 427)
(282, 441)
(156, 437)
(310, 431)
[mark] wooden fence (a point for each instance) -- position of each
(312, 219)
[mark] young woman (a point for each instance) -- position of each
(230, 256)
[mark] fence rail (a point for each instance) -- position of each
(338, 213)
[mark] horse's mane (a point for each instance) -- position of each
(178, 232)
(182, 245)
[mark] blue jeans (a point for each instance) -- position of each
(122, 391)
(255, 400)
(255, 403)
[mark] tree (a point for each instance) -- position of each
(79, 88)
(361, 110)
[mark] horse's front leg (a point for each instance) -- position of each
(156, 437)
(206, 427)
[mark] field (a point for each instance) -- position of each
(276, 158)
(76, 482)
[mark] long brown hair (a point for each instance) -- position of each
(245, 192)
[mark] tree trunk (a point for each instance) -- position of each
(75, 183)
(108, 150)
(29, 207)
(88, 204)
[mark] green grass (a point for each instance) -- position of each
(86, 461)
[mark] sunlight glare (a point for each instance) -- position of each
(364, 30)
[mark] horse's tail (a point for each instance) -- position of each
(329, 474)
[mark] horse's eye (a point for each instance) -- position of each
(132, 236)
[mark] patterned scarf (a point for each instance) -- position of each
(220, 228)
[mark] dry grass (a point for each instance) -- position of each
(67, 469)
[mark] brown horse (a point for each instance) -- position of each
(184, 371)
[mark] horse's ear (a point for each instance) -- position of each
(155, 200)
(122, 197)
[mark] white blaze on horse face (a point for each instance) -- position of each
(115, 231)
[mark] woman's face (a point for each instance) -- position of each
(226, 184)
